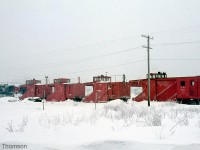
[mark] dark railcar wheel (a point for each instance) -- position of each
(197, 101)
(124, 99)
(77, 99)
(179, 101)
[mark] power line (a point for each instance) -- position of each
(99, 56)
(153, 59)
(86, 46)
(80, 60)
(113, 40)
(177, 43)
(113, 66)
(163, 44)
(175, 29)
(103, 55)
(177, 59)
(107, 66)
(99, 68)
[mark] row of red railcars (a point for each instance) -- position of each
(102, 89)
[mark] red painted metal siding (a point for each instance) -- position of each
(99, 94)
(188, 88)
(58, 94)
(39, 91)
(30, 91)
(166, 89)
(198, 87)
(36, 91)
(169, 88)
(161, 89)
(118, 90)
(75, 91)
(66, 91)
(144, 94)
(103, 92)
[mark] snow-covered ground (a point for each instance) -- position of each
(112, 126)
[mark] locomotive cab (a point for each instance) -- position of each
(102, 78)
(32, 82)
(61, 80)
(157, 75)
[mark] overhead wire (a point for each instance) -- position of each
(130, 49)
(99, 68)
(113, 40)
(80, 60)
(176, 43)
(112, 66)
(85, 46)
(104, 55)
(176, 59)
(100, 56)
(175, 29)
(127, 63)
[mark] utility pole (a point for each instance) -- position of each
(148, 58)
(45, 91)
(96, 100)
(97, 96)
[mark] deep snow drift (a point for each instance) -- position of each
(114, 125)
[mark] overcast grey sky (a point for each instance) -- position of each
(71, 38)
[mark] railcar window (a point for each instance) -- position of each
(53, 89)
(152, 76)
(192, 83)
(182, 83)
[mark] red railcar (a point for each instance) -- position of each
(62, 90)
(104, 90)
(181, 89)
(29, 88)
(34, 88)
(58, 90)
(75, 91)
(188, 89)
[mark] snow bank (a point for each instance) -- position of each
(115, 102)
(8, 99)
(113, 125)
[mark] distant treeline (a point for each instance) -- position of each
(7, 90)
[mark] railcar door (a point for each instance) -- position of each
(193, 88)
(166, 89)
(198, 88)
(182, 88)
(110, 96)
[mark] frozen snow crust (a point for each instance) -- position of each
(113, 125)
